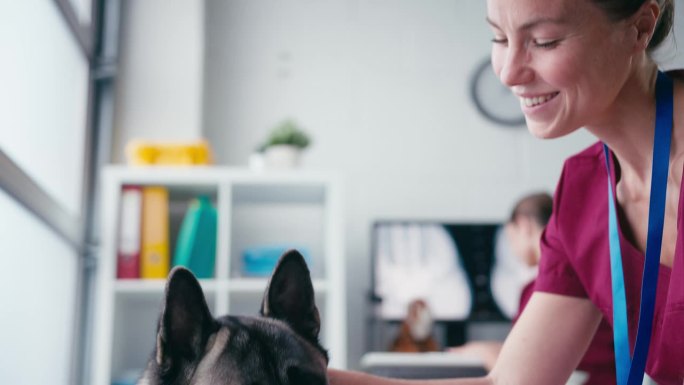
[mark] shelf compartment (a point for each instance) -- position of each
(281, 215)
(264, 193)
(179, 199)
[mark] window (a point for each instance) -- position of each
(47, 163)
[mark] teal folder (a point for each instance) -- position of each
(196, 244)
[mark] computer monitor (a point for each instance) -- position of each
(464, 271)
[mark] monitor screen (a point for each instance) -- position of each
(463, 271)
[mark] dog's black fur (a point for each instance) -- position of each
(280, 347)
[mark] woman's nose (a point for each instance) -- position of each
(515, 69)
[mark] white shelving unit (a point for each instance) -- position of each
(253, 208)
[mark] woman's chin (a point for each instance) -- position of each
(546, 130)
(538, 130)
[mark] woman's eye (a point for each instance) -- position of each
(546, 43)
(498, 40)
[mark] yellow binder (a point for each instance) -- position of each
(154, 259)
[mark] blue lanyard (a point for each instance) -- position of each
(630, 368)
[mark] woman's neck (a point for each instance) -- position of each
(628, 127)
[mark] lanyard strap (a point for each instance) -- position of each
(630, 369)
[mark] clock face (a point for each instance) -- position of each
(493, 99)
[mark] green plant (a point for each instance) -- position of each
(289, 133)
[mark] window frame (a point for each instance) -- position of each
(98, 43)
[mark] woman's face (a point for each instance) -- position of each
(522, 239)
(564, 59)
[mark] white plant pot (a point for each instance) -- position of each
(281, 157)
(256, 161)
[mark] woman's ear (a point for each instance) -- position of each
(644, 22)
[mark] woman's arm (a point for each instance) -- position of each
(548, 340)
(488, 351)
(544, 347)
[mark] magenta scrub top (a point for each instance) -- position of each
(576, 262)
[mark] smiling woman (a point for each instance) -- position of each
(586, 64)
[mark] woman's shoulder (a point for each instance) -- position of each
(592, 155)
(583, 177)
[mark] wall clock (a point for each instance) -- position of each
(494, 100)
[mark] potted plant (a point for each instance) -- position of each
(284, 144)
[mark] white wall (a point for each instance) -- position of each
(383, 88)
(671, 53)
(159, 86)
(382, 85)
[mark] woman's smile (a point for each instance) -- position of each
(534, 101)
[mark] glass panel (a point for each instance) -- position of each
(43, 97)
(37, 293)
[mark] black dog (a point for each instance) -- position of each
(280, 347)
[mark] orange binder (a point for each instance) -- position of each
(154, 259)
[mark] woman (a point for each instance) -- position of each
(585, 63)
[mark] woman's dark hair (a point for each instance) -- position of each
(622, 9)
(537, 206)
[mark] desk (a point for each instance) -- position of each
(422, 365)
(434, 365)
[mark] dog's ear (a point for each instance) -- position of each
(185, 323)
(290, 297)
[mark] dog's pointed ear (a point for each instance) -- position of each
(290, 296)
(186, 323)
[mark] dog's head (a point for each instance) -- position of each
(280, 347)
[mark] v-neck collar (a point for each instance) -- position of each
(626, 242)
